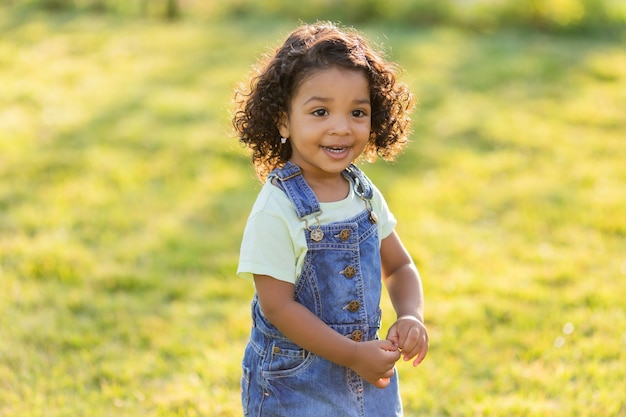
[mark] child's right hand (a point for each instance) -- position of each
(374, 361)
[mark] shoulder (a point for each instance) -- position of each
(273, 212)
(387, 221)
(377, 196)
(273, 201)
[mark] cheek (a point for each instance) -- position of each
(365, 129)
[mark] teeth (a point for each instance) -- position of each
(335, 150)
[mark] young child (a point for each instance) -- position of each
(320, 239)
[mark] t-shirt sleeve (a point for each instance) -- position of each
(387, 221)
(267, 249)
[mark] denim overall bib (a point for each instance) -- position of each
(341, 284)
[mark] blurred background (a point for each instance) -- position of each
(124, 194)
(553, 15)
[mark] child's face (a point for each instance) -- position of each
(329, 121)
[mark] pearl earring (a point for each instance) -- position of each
(283, 140)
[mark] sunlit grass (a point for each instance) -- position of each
(123, 198)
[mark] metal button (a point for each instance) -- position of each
(344, 235)
(349, 271)
(276, 349)
(353, 306)
(356, 335)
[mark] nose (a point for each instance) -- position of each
(340, 126)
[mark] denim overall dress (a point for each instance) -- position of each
(341, 284)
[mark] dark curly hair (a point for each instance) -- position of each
(307, 49)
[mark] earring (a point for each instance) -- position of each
(283, 140)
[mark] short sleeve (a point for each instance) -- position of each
(267, 248)
(387, 221)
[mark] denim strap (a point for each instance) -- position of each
(362, 184)
(291, 181)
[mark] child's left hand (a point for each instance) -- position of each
(411, 337)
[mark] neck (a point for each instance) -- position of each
(329, 189)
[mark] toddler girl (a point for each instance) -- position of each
(320, 239)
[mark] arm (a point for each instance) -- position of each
(405, 291)
(373, 360)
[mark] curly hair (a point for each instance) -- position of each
(307, 49)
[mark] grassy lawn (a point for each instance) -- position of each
(123, 197)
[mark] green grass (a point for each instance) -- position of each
(123, 197)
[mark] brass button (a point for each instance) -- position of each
(344, 235)
(349, 271)
(276, 349)
(356, 335)
(353, 306)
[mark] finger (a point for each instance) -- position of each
(421, 354)
(412, 344)
(385, 380)
(382, 383)
(412, 351)
(393, 336)
(393, 356)
(389, 345)
(405, 331)
(389, 373)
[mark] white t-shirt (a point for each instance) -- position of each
(274, 243)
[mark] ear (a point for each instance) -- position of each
(283, 124)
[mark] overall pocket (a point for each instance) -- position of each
(285, 359)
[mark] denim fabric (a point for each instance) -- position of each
(341, 284)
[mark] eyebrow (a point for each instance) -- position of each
(327, 99)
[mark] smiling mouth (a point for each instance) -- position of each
(334, 149)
